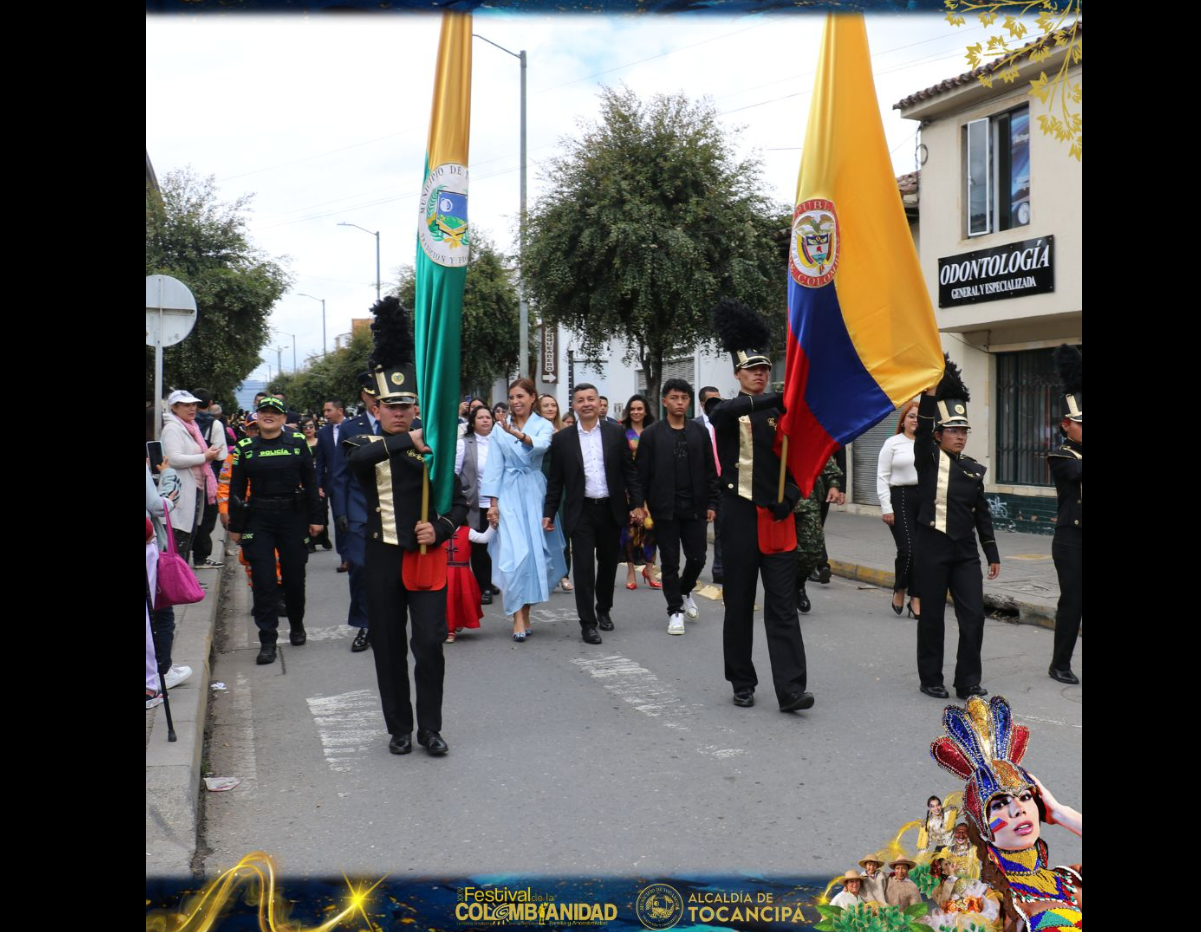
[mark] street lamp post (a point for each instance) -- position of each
(376, 235)
(524, 319)
(324, 352)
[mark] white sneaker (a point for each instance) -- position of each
(153, 701)
(176, 675)
(690, 607)
(675, 624)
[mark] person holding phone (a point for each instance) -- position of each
(190, 454)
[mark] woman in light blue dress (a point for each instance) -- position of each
(527, 562)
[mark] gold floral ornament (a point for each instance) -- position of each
(1056, 28)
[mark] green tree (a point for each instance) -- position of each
(490, 315)
(332, 376)
(194, 237)
(649, 220)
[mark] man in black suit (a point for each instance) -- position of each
(331, 463)
(348, 505)
(678, 471)
(710, 398)
(592, 461)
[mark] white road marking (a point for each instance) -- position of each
(640, 688)
(350, 725)
(331, 633)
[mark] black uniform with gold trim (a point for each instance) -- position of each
(953, 508)
(1067, 549)
(277, 479)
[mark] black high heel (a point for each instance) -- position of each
(911, 612)
(897, 608)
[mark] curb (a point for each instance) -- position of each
(1028, 613)
(173, 769)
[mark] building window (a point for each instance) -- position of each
(998, 172)
(1028, 416)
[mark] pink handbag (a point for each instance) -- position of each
(177, 584)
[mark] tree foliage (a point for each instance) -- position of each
(490, 343)
(192, 236)
(650, 219)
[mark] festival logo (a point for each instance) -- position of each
(813, 252)
(659, 906)
(442, 223)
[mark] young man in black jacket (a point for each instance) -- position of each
(679, 476)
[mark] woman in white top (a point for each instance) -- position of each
(470, 469)
(190, 455)
(896, 485)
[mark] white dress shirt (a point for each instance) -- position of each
(895, 467)
(593, 449)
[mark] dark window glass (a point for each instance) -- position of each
(1027, 417)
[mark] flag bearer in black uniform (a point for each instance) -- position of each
(745, 429)
(1067, 549)
(952, 509)
(274, 509)
(390, 470)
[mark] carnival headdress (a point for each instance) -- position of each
(743, 333)
(952, 396)
(983, 747)
(1070, 363)
(392, 358)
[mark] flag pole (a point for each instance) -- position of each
(783, 465)
(425, 496)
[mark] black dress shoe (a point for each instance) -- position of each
(266, 654)
(590, 635)
(343, 567)
(432, 742)
(968, 691)
(495, 590)
(282, 609)
(1066, 677)
(744, 697)
(297, 636)
(326, 544)
(360, 641)
(803, 605)
(937, 692)
(718, 579)
(312, 548)
(486, 597)
(795, 702)
(400, 744)
(604, 622)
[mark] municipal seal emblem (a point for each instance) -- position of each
(442, 217)
(659, 906)
(813, 251)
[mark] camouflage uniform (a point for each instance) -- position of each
(810, 540)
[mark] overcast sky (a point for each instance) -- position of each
(324, 118)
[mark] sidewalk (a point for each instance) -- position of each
(173, 769)
(861, 547)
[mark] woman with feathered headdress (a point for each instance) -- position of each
(953, 508)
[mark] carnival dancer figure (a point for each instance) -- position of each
(1067, 549)
(1006, 807)
(391, 472)
(953, 508)
(752, 514)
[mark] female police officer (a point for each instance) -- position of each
(273, 503)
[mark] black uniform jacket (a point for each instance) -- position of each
(274, 468)
(1067, 467)
(567, 476)
(951, 487)
(389, 472)
(746, 432)
(657, 468)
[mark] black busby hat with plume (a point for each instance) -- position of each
(1070, 363)
(952, 396)
(743, 333)
(392, 358)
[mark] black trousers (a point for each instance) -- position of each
(955, 565)
(481, 562)
(1067, 550)
(691, 533)
(717, 566)
(743, 564)
(905, 503)
(270, 533)
(202, 540)
(390, 605)
(595, 541)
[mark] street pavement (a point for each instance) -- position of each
(626, 757)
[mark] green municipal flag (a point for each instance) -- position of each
(443, 244)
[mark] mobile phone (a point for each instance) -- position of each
(154, 450)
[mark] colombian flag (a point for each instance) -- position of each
(861, 332)
(443, 244)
